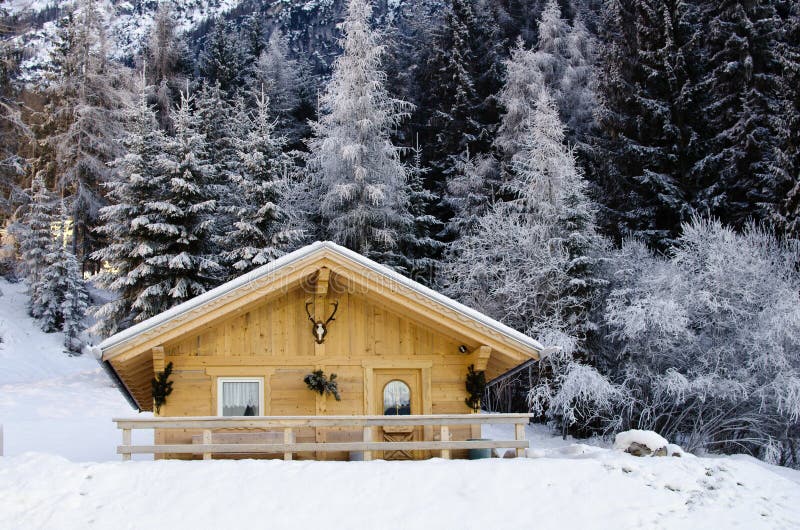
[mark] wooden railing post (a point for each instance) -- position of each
(519, 435)
(287, 439)
(445, 437)
(367, 438)
(207, 440)
(126, 440)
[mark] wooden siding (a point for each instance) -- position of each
(273, 340)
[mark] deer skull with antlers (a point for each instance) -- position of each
(319, 328)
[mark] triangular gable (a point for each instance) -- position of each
(304, 261)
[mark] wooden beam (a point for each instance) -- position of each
(480, 357)
(267, 422)
(323, 277)
(158, 359)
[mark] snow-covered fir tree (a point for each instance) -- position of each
(358, 182)
(223, 60)
(261, 228)
(75, 306)
(532, 261)
(648, 120)
(62, 297)
(450, 98)
(135, 223)
(741, 97)
(788, 170)
(35, 236)
(183, 259)
(162, 219)
(421, 249)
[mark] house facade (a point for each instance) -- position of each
(244, 348)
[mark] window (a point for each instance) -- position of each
(240, 396)
(396, 399)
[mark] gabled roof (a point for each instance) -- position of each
(137, 352)
(113, 345)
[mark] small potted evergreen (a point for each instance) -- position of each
(476, 385)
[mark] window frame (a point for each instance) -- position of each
(235, 379)
(408, 388)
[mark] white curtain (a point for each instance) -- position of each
(240, 398)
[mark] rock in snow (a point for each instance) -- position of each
(642, 443)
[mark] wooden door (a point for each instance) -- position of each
(398, 392)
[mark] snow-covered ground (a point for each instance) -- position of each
(60, 472)
(49, 401)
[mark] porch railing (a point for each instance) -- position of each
(287, 425)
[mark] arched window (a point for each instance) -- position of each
(396, 399)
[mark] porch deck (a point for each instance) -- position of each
(288, 425)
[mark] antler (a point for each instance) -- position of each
(335, 308)
(311, 318)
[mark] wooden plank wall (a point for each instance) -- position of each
(277, 334)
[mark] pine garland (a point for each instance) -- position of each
(162, 387)
(317, 382)
(475, 384)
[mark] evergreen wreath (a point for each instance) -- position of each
(317, 382)
(476, 385)
(162, 387)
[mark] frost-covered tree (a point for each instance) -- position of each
(166, 59)
(421, 249)
(61, 294)
(161, 221)
(75, 305)
(261, 228)
(35, 236)
(473, 185)
(532, 261)
(523, 82)
(279, 76)
(222, 60)
(80, 120)
(706, 341)
(358, 182)
(135, 223)
(561, 63)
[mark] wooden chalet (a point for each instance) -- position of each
(240, 352)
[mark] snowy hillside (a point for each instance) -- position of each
(56, 413)
(51, 402)
(309, 24)
(127, 26)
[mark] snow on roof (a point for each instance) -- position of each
(298, 255)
